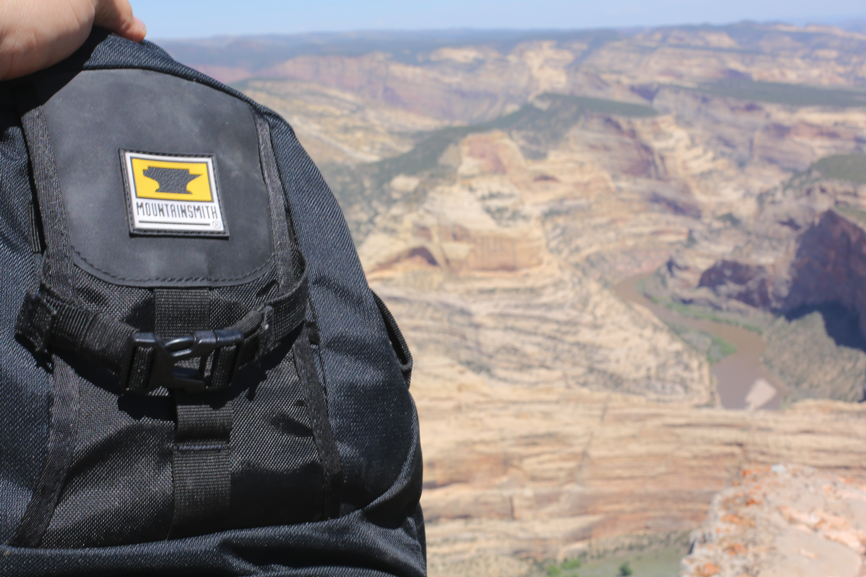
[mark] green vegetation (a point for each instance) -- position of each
(637, 555)
(801, 179)
(550, 117)
(700, 313)
(790, 94)
(659, 562)
(846, 167)
(567, 568)
(713, 347)
(850, 167)
(654, 287)
(852, 213)
(729, 218)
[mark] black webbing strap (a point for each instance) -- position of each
(323, 436)
(201, 452)
(144, 360)
(201, 463)
(61, 443)
(180, 311)
(58, 262)
(45, 319)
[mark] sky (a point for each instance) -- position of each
(169, 19)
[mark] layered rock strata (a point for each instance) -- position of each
(470, 277)
(539, 471)
(784, 520)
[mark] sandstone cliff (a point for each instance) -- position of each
(784, 520)
(469, 274)
(539, 471)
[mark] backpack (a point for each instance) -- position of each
(195, 378)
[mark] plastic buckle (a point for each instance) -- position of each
(206, 346)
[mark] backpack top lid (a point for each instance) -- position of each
(196, 377)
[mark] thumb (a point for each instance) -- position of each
(116, 16)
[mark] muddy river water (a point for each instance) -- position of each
(741, 380)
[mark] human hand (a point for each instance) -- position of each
(35, 34)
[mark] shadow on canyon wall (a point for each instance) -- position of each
(841, 323)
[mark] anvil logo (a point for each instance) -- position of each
(171, 180)
(170, 194)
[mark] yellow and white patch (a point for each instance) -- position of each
(172, 194)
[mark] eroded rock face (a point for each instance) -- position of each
(539, 471)
(476, 80)
(830, 265)
(785, 520)
(816, 255)
(470, 277)
(736, 280)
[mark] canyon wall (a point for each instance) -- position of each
(497, 189)
(540, 471)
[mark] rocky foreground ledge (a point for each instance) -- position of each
(786, 520)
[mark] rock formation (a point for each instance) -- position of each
(469, 275)
(782, 520)
(539, 471)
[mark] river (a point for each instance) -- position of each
(741, 380)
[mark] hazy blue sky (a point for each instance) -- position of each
(202, 18)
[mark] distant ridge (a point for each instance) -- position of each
(253, 53)
(259, 52)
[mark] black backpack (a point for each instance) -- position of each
(195, 378)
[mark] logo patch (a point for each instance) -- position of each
(172, 194)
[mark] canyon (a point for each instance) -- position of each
(500, 185)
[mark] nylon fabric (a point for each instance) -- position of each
(401, 348)
(274, 455)
(61, 440)
(25, 384)
(45, 320)
(57, 262)
(202, 487)
(119, 485)
(200, 456)
(181, 312)
(326, 446)
(35, 234)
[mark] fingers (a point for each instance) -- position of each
(35, 34)
(116, 16)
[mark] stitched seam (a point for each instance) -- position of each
(115, 277)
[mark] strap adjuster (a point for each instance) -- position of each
(150, 361)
